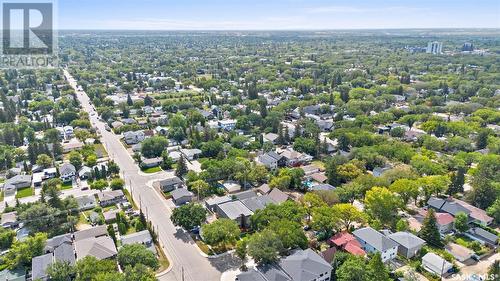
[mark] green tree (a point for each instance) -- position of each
(461, 222)
(139, 272)
(75, 159)
(22, 252)
(324, 220)
(91, 160)
(494, 210)
(347, 214)
(61, 271)
(486, 181)
(291, 234)
(117, 183)
(201, 187)
(376, 268)
(181, 168)
(153, 146)
(43, 160)
(241, 249)
(402, 225)
(430, 231)
(382, 204)
(280, 182)
(220, 232)
(264, 247)
(288, 210)
(433, 185)
(406, 188)
(353, 269)
(189, 216)
(6, 238)
(132, 254)
(457, 181)
(211, 149)
(89, 267)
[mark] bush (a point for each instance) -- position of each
(117, 183)
(132, 254)
(99, 184)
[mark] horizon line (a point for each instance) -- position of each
(292, 29)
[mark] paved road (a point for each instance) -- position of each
(178, 246)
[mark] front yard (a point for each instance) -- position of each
(24, 192)
(66, 185)
(151, 170)
(465, 241)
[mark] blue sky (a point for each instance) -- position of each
(276, 14)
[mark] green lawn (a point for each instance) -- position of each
(130, 199)
(162, 259)
(151, 170)
(100, 150)
(24, 192)
(1, 196)
(66, 185)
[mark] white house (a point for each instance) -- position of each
(67, 172)
(133, 137)
(227, 124)
(436, 264)
(373, 241)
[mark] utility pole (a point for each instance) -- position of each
(182, 273)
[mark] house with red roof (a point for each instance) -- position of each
(444, 220)
(347, 242)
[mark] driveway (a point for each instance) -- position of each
(480, 268)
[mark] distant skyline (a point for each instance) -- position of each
(276, 15)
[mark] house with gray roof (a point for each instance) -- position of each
(133, 137)
(102, 247)
(244, 195)
(151, 162)
(257, 202)
(483, 236)
(453, 206)
(301, 265)
(270, 137)
(39, 266)
(16, 182)
(67, 172)
(110, 197)
(436, 264)
(191, 154)
(97, 231)
(56, 241)
(169, 184)
(85, 172)
(408, 244)
(235, 210)
(374, 241)
(278, 196)
(271, 160)
(181, 196)
(86, 202)
(59, 248)
(211, 203)
(141, 237)
(9, 220)
(447, 205)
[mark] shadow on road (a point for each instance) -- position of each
(225, 262)
(182, 235)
